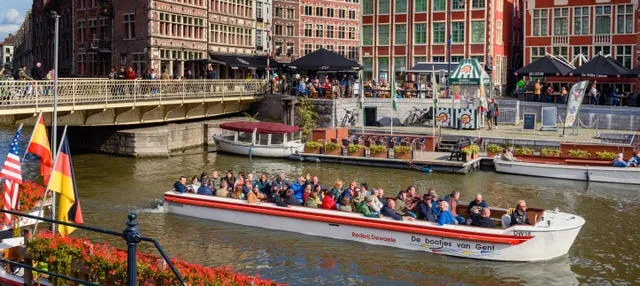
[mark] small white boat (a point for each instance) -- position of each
(630, 175)
(551, 237)
(263, 139)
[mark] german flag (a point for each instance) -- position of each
(63, 182)
(39, 146)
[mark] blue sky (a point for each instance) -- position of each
(11, 15)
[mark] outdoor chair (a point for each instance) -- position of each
(457, 151)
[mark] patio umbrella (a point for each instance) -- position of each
(634, 72)
(324, 60)
(546, 66)
(601, 66)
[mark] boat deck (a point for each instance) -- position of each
(435, 161)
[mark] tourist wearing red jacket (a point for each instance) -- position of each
(328, 203)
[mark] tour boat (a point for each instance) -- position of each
(629, 175)
(264, 139)
(552, 235)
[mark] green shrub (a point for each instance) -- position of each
(579, 154)
(352, 148)
(524, 151)
(312, 145)
(550, 152)
(606, 155)
(467, 151)
(475, 149)
(401, 150)
(331, 146)
(495, 148)
(378, 149)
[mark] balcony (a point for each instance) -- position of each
(560, 40)
(602, 39)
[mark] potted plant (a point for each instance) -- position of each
(378, 151)
(582, 154)
(475, 150)
(494, 149)
(355, 150)
(403, 152)
(332, 149)
(312, 147)
(524, 151)
(550, 152)
(606, 155)
(467, 154)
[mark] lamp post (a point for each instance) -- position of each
(54, 120)
(461, 3)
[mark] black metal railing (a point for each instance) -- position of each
(131, 235)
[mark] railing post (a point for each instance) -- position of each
(28, 274)
(132, 236)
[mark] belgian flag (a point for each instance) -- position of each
(63, 182)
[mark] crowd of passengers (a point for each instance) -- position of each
(371, 202)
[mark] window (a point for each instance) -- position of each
(540, 22)
(456, 59)
(624, 19)
(438, 59)
(399, 66)
(480, 59)
(420, 33)
(420, 5)
(477, 32)
(383, 35)
(278, 12)
(581, 21)
(605, 50)
(438, 33)
(499, 39)
(290, 13)
(383, 6)
(278, 48)
(561, 52)
(352, 33)
(624, 55)
(319, 31)
(319, 11)
(341, 50)
(278, 30)
(367, 7)
(439, 5)
(308, 48)
(457, 32)
(537, 53)
(457, 5)
(475, 4)
(352, 14)
(400, 6)
(129, 26)
(561, 21)
(330, 31)
(330, 48)
(383, 68)
(308, 10)
(289, 49)
(318, 47)
(500, 6)
(342, 14)
(330, 12)
(367, 35)
(308, 30)
(353, 53)
(603, 20)
(289, 30)
(584, 50)
(401, 34)
(341, 31)
(367, 68)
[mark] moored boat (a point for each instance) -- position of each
(264, 139)
(551, 236)
(629, 175)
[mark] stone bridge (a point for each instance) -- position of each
(96, 102)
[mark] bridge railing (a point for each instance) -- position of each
(91, 91)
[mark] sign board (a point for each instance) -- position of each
(467, 118)
(549, 118)
(529, 121)
(443, 117)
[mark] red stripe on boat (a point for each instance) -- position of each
(361, 222)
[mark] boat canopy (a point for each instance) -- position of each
(260, 127)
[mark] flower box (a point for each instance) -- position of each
(335, 152)
(359, 153)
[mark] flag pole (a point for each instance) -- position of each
(46, 190)
(33, 131)
(392, 90)
(361, 93)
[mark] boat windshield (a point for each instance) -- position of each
(277, 138)
(263, 139)
(244, 137)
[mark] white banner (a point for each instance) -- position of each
(574, 102)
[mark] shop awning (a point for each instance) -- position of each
(324, 60)
(430, 67)
(469, 72)
(246, 62)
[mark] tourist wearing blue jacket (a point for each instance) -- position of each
(298, 189)
(446, 217)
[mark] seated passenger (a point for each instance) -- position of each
(336, 191)
(373, 202)
(635, 160)
(313, 181)
(345, 205)
(381, 198)
(388, 211)
(425, 210)
(519, 215)
(445, 214)
(475, 207)
(230, 179)
(362, 207)
(507, 155)
(314, 200)
(247, 186)
(215, 179)
(619, 161)
(435, 203)
(298, 189)
(328, 203)
(223, 191)
(205, 189)
(454, 201)
(195, 184)
(264, 186)
(180, 185)
(290, 198)
(400, 202)
(483, 220)
(306, 193)
(238, 193)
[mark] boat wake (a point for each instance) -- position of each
(157, 206)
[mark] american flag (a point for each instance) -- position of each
(12, 174)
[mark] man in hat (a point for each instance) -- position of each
(425, 209)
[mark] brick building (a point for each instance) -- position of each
(569, 28)
(333, 25)
(44, 33)
(92, 37)
(286, 30)
(397, 34)
(7, 50)
(23, 43)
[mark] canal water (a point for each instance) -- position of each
(607, 251)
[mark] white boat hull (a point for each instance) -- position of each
(570, 172)
(274, 151)
(518, 243)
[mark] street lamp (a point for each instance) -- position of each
(54, 124)
(460, 4)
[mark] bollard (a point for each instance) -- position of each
(132, 236)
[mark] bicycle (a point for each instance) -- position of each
(350, 117)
